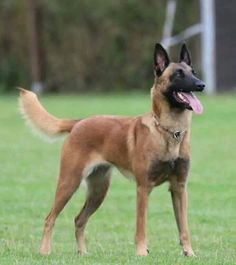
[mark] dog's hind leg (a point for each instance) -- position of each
(69, 180)
(63, 194)
(98, 183)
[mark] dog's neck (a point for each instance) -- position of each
(172, 119)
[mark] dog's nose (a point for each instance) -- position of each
(200, 86)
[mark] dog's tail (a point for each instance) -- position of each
(39, 119)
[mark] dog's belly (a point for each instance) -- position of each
(126, 173)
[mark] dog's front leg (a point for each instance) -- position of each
(140, 238)
(180, 204)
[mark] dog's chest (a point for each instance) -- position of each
(159, 171)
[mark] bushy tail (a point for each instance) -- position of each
(38, 118)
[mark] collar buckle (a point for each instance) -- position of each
(177, 135)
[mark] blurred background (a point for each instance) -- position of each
(103, 45)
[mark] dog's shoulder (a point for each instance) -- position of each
(147, 121)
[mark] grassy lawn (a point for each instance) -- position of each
(29, 167)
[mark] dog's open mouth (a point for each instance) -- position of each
(190, 101)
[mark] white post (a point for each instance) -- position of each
(37, 87)
(169, 22)
(208, 44)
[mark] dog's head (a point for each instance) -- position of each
(178, 79)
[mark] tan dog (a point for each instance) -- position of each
(152, 148)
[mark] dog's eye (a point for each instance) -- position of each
(193, 72)
(180, 73)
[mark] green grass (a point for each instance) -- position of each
(29, 167)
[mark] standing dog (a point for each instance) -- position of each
(152, 148)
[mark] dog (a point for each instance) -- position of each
(152, 149)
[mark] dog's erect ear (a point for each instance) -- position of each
(161, 59)
(185, 55)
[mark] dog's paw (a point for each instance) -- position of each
(142, 252)
(188, 252)
(45, 251)
(82, 252)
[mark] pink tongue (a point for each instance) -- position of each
(193, 102)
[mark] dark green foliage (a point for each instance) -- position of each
(87, 44)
